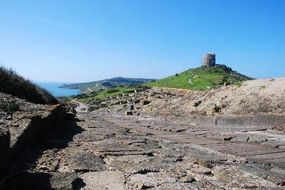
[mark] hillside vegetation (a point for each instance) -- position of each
(201, 78)
(107, 93)
(12, 83)
(106, 84)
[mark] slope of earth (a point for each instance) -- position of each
(264, 96)
(14, 84)
(202, 78)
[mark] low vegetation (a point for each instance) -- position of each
(108, 93)
(201, 78)
(14, 84)
(107, 83)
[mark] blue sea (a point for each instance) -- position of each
(54, 89)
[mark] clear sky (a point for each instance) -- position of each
(84, 40)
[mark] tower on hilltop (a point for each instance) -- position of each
(209, 60)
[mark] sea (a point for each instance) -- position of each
(54, 89)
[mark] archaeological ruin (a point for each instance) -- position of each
(209, 60)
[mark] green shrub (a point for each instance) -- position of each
(112, 90)
(129, 91)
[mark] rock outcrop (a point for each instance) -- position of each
(28, 126)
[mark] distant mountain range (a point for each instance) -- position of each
(106, 83)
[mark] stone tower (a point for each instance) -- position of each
(209, 60)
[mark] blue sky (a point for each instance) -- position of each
(84, 40)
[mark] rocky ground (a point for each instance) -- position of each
(146, 152)
(131, 143)
(16, 115)
(24, 129)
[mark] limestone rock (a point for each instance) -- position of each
(104, 180)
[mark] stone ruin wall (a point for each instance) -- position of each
(209, 60)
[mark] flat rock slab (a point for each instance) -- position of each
(149, 180)
(104, 180)
(113, 147)
(235, 178)
(89, 136)
(86, 161)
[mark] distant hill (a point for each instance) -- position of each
(201, 78)
(16, 85)
(106, 84)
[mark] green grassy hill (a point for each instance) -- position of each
(201, 78)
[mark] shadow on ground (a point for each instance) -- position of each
(31, 145)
